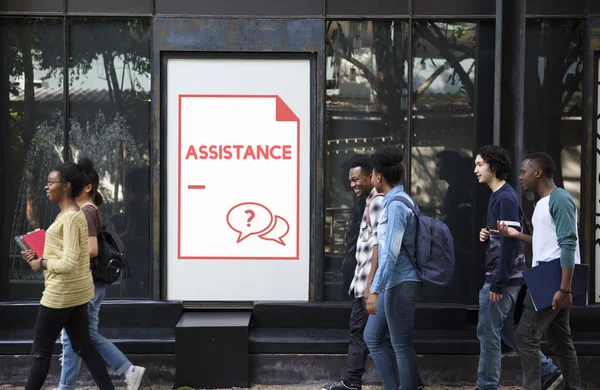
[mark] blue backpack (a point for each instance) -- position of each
(435, 248)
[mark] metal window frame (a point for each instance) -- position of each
(589, 152)
(366, 9)
(556, 8)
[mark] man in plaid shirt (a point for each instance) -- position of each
(366, 259)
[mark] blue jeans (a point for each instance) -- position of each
(496, 323)
(396, 312)
(109, 352)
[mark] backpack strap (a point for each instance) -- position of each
(521, 214)
(99, 220)
(415, 209)
(417, 212)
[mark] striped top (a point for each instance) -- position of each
(68, 280)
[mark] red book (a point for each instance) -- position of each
(36, 240)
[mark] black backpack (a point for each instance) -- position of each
(110, 262)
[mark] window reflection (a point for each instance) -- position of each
(32, 141)
(367, 91)
(109, 101)
(553, 97)
(443, 140)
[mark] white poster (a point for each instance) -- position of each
(238, 155)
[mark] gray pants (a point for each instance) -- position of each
(555, 323)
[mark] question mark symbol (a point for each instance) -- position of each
(251, 216)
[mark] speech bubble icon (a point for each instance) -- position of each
(249, 218)
(280, 229)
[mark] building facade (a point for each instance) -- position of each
(437, 78)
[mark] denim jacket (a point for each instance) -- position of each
(396, 233)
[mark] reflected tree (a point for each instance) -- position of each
(107, 40)
(389, 79)
(106, 43)
(554, 71)
(37, 44)
(32, 44)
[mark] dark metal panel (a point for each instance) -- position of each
(484, 119)
(66, 105)
(158, 192)
(498, 71)
(409, 113)
(453, 8)
(589, 153)
(513, 84)
(143, 7)
(556, 7)
(594, 34)
(182, 34)
(31, 6)
(337, 8)
(233, 8)
(4, 160)
(317, 174)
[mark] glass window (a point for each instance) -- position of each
(554, 99)
(367, 92)
(443, 140)
(109, 122)
(32, 142)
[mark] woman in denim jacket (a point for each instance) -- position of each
(396, 285)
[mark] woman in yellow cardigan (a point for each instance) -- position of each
(68, 282)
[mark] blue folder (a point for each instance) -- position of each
(544, 280)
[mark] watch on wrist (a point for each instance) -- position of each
(564, 291)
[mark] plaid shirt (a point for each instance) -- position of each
(367, 240)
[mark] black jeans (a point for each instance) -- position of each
(47, 328)
(555, 323)
(357, 349)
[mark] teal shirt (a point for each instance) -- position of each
(555, 229)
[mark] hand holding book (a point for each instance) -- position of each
(29, 255)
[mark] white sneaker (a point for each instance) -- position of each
(134, 379)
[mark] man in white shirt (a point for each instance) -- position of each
(554, 236)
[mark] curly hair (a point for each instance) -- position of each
(498, 159)
(387, 161)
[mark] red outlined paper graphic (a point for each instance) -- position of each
(243, 152)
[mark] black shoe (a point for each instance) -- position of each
(554, 382)
(420, 387)
(341, 385)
